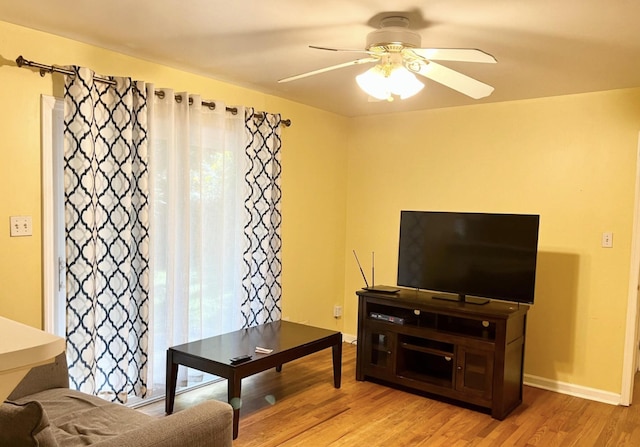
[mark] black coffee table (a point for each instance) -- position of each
(289, 341)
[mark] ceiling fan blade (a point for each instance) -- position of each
(454, 80)
(455, 54)
(365, 60)
(339, 49)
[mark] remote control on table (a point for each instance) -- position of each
(240, 359)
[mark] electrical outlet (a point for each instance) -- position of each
(337, 311)
(21, 226)
(607, 239)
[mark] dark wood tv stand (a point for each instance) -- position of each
(456, 350)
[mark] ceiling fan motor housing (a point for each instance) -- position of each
(393, 31)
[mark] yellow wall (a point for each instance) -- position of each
(313, 181)
(571, 159)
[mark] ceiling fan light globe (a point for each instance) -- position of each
(374, 83)
(404, 83)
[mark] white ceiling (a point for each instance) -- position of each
(543, 47)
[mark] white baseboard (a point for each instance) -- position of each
(583, 392)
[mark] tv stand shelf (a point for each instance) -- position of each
(457, 350)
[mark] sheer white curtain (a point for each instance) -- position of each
(197, 165)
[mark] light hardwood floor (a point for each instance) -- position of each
(300, 407)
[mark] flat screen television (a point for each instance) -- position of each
(469, 254)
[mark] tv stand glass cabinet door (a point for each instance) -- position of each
(474, 372)
(381, 346)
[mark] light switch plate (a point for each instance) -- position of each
(21, 226)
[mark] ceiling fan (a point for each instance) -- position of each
(396, 51)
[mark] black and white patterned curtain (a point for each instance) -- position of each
(263, 251)
(107, 234)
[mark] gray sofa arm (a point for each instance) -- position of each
(209, 424)
(43, 377)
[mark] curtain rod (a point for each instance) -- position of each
(44, 69)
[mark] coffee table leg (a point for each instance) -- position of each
(337, 363)
(233, 394)
(171, 379)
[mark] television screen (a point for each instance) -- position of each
(476, 254)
